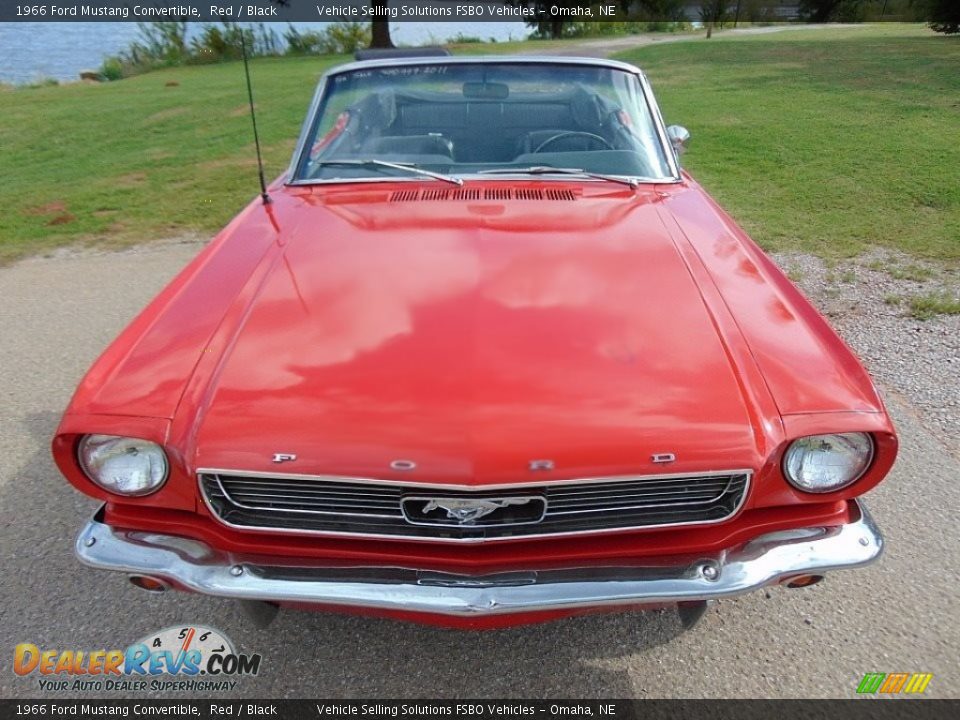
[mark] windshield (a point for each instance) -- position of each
(462, 119)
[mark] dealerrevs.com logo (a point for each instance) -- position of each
(192, 658)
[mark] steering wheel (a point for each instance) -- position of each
(571, 134)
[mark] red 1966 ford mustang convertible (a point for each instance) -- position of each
(487, 356)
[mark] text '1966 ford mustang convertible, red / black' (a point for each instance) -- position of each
(483, 355)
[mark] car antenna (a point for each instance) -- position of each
(253, 117)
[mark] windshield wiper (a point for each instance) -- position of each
(548, 170)
(358, 162)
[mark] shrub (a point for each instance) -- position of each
(217, 43)
(264, 40)
(42, 83)
(309, 42)
(462, 39)
(162, 44)
(833, 10)
(158, 44)
(340, 38)
(667, 26)
(111, 69)
(343, 38)
(944, 16)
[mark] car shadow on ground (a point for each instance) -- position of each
(57, 603)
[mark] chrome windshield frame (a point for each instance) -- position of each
(308, 123)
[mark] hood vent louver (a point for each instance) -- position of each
(527, 194)
(404, 195)
(487, 194)
(497, 194)
(435, 195)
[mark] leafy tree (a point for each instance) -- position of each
(756, 11)
(552, 28)
(343, 38)
(817, 10)
(944, 16)
(380, 26)
(656, 10)
(713, 13)
(560, 26)
(829, 10)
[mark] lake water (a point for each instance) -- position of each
(33, 51)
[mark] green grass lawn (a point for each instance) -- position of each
(826, 141)
(149, 157)
(822, 141)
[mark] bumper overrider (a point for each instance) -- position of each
(766, 560)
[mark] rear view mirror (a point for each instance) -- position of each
(679, 137)
(486, 91)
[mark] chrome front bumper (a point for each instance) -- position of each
(766, 560)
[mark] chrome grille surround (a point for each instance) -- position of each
(367, 508)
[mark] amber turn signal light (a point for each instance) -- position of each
(150, 584)
(803, 581)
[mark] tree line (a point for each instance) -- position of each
(942, 15)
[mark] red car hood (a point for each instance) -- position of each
(470, 339)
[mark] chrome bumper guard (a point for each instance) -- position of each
(765, 560)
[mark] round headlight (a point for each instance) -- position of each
(122, 465)
(824, 463)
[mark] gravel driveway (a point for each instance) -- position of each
(916, 361)
(897, 615)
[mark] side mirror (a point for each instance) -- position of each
(679, 137)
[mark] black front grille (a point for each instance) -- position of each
(339, 505)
